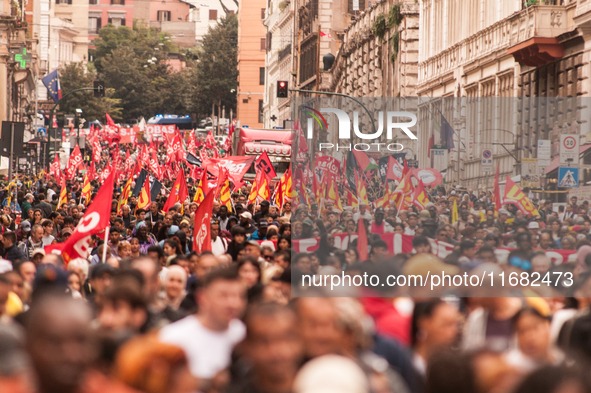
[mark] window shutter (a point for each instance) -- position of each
(122, 21)
(98, 24)
(69, 1)
(110, 21)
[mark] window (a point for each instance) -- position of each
(213, 14)
(196, 14)
(63, 2)
(94, 25)
(356, 4)
(260, 111)
(262, 76)
(245, 100)
(117, 21)
(263, 44)
(93, 2)
(263, 13)
(118, 2)
(163, 16)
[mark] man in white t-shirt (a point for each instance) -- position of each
(218, 244)
(209, 336)
(362, 213)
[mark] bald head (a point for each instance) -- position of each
(60, 342)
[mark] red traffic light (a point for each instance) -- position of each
(282, 84)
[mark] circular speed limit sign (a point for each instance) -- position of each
(569, 142)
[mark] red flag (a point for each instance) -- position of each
(96, 149)
(263, 163)
(144, 199)
(55, 168)
(192, 145)
(73, 163)
(155, 167)
(420, 197)
(210, 141)
(96, 219)
(515, 196)
(203, 155)
(201, 231)
(395, 170)
(361, 240)
(110, 121)
(92, 171)
(179, 191)
(128, 163)
(106, 172)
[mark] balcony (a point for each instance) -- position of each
(534, 33)
(283, 53)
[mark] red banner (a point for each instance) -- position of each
(263, 164)
(402, 244)
(155, 131)
(330, 164)
(128, 135)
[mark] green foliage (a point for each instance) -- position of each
(74, 76)
(394, 16)
(379, 26)
(216, 72)
(395, 42)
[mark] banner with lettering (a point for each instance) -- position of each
(329, 164)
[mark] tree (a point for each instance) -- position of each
(75, 76)
(216, 73)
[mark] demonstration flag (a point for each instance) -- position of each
(263, 163)
(52, 82)
(63, 194)
(202, 226)
(260, 189)
(395, 170)
(420, 197)
(515, 196)
(361, 190)
(86, 189)
(332, 194)
(139, 183)
(73, 163)
(202, 190)
(178, 193)
(497, 192)
(96, 149)
(124, 195)
(144, 199)
(403, 192)
(192, 145)
(454, 212)
(351, 199)
(384, 201)
(55, 168)
(365, 162)
(210, 141)
(95, 220)
(154, 166)
(226, 195)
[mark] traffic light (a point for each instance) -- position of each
(282, 89)
(99, 89)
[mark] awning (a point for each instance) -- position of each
(556, 161)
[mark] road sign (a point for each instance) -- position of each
(544, 152)
(569, 149)
(487, 161)
(568, 177)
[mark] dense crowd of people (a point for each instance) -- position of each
(144, 312)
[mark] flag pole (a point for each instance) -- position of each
(106, 244)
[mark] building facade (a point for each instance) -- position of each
(279, 60)
(208, 12)
(102, 12)
(252, 46)
(174, 17)
(76, 13)
(504, 49)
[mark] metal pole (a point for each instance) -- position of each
(11, 151)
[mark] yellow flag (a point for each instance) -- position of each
(454, 212)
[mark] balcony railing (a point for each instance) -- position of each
(283, 53)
